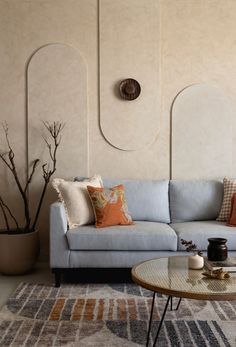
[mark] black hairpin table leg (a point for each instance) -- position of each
(150, 320)
(169, 299)
(161, 321)
(171, 304)
(177, 307)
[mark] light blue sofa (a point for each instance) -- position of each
(164, 212)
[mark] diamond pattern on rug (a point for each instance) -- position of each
(110, 315)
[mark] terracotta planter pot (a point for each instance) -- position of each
(18, 253)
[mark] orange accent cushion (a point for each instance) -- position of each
(110, 206)
(232, 218)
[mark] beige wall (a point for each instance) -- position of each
(185, 42)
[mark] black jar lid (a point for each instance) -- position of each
(217, 240)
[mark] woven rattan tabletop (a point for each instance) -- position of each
(171, 276)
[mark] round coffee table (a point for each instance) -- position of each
(171, 276)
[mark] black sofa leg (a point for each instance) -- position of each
(57, 274)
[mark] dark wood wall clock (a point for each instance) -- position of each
(129, 89)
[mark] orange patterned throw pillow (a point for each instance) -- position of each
(110, 206)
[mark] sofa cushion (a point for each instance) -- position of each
(115, 259)
(139, 236)
(232, 218)
(195, 200)
(148, 200)
(75, 198)
(109, 205)
(229, 190)
(199, 232)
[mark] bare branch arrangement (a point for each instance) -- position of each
(48, 169)
(191, 247)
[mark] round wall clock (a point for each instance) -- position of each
(129, 89)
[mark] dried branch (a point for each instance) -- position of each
(35, 164)
(2, 157)
(190, 247)
(6, 131)
(54, 130)
(12, 167)
(49, 148)
(7, 158)
(3, 207)
(4, 216)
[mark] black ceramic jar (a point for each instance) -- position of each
(217, 249)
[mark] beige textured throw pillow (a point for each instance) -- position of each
(229, 190)
(75, 197)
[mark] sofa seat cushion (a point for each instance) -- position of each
(199, 232)
(141, 236)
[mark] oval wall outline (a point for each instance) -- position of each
(201, 126)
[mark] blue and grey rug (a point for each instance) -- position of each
(99, 315)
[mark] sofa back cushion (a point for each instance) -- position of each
(147, 199)
(195, 200)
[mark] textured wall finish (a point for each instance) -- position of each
(164, 44)
(57, 91)
(129, 48)
(201, 133)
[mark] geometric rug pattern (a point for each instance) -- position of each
(107, 315)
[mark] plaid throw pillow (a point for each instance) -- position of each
(229, 190)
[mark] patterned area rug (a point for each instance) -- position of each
(100, 315)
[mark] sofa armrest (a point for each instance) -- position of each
(59, 250)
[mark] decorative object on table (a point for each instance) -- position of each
(218, 274)
(129, 89)
(217, 249)
(228, 265)
(196, 261)
(19, 246)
